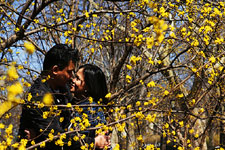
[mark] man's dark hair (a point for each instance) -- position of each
(60, 55)
(95, 82)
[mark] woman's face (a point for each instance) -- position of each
(78, 87)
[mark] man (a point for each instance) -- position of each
(40, 123)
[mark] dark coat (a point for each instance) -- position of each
(32, 116)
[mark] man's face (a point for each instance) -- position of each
(65, 75)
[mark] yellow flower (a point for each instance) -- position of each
(69, 105)
(166, 92)
(59, 11)
(69, 143)
(15, 145)
(92, 50)
(90, 100)
(61, 119)
(32, 142)
(150, 118)
(75, 138)
(17, 29)
(197, 148)
(86, 14)
(201, 110)
(2, 126)
(45, 114)
(42, 144)
(150, 61)
(13, 91)
(180, 148)
(12, 73)
(139, 138)
(191, 131)
(108, 95)
(151, 84)
(129, 67)
(48, 99)
(128, 78)
(29, 96)
(138, 103)
(181, 123)
(180, 95)
(117, 147)
(50, 136)
(166, 125)
(212, 59)
(30, 48)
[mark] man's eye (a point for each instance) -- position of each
(77, 77)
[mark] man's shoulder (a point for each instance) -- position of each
(39, 88)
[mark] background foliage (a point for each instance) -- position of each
(164, 62)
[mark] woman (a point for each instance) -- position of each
(89, 87)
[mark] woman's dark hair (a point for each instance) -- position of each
(60, 55)
(95, 82)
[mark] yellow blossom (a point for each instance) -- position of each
(108, 95)
(12, 73)
(129, 67)
(212, 59)
(42, 144)
(151, 84)
(30, 48)
(61, 119)
(134, 59)
(180, 95)
(150, 42)
(168, 141)
(50, 136)
(128, 78)
(60, 11)
(90, 100)
(181, 123)
(139, 138)
(86, 14)
(15, 145)
(45, 114)
(150, 61)
(191, 131)
(29, 96)
(69, 105)
(129, 106)
(138, 103)
(48, 99)
(201, 110)
(2, 126)
(166, 92)
(32, 142)
(13, 91)
(117, 147)
(166, 125)
(150, 118)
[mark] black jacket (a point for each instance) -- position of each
(32, 116)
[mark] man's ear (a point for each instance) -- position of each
(55, 70)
